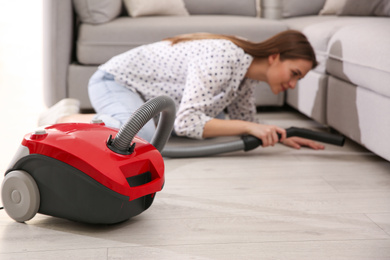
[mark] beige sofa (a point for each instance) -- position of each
(349, 90)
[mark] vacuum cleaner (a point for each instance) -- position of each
(95, 174)
(89, 172)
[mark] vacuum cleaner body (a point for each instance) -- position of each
(80, 178)
(89, 172)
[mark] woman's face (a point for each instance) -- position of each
(283, 75)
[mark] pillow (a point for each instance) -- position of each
(97, 11)
(137, 8)
(332, 7)
(366, 8)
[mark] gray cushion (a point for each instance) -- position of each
(226, 7)
(301, 7)
(366, 64)
(98, 43)
(366, 8)
(97, 11)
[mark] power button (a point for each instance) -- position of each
(39, 134)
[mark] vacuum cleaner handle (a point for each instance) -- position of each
(165, 105)
(251, 142)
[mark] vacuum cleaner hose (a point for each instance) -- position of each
(163, 104)
(248, 143)
(204, 150)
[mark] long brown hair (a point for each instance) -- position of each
(289, 44)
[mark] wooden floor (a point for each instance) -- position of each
(273, 203)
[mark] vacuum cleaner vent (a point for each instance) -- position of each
(140, 179)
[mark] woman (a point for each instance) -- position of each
(204, 74)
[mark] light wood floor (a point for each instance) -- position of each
(273, 203)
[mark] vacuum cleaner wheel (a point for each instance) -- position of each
(20, 195)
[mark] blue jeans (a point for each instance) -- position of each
(114, 103)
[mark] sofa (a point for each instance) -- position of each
(349, 91)
(82, 34)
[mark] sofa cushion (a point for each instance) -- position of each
(293, 8)
(137, 8)
(320, 29)
(366, 8)
(300, 23)
(98, 43)
(225, 7)
(97, 11)
(360, 54)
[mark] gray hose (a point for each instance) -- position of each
(246, 143)
(146, 112)
(204, 150)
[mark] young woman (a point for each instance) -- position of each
(204, 74)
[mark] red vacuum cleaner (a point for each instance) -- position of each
(95, 174)
(89, 172)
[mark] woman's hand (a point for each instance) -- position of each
(298, 142)
(267, 133)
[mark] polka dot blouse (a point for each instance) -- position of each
(203, 77)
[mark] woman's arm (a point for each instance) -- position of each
(220, 127)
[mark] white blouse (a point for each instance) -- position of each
(203, 77)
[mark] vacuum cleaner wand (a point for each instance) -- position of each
(251, 142)
(247, 143)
